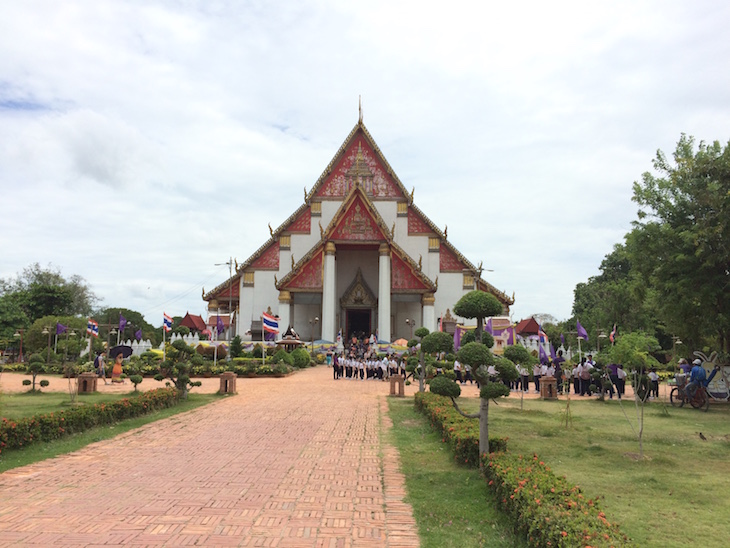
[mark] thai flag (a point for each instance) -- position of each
(612, 336)
(542, 335)
(270, 323)
(92, 328)
(166, 322)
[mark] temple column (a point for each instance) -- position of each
(329, 293)
(429, 314)
(284, 312)
(384, 283)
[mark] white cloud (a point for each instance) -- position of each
(141, 143)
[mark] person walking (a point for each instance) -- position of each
(99, 365)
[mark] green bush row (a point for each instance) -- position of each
(15, 434)
(545, 507)
(460, 433)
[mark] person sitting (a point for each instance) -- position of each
(697, 376)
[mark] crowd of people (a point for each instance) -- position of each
(360, 361)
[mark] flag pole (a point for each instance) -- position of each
(164, 340)
(263, 338)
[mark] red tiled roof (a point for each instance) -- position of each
(191, 321)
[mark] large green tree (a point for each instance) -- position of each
(680, 244)
(37, 292)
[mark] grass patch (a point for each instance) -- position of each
(451, 503)
(39, 451)
(675, 496)
(27, 404)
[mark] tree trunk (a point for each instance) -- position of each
(483, 428)
(422, 374)
(479, 330)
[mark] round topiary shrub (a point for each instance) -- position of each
(445, 387)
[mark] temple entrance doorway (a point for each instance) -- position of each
(358, 323)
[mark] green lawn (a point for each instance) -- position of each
(24, 404)
(679, 495)
(451, 503)
(28, 404)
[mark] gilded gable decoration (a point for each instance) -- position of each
(359, 165)
(358, 294)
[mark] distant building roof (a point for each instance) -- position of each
(193, 322)
(527, 327)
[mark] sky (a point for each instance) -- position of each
(145, 143)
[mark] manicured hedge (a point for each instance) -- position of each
(460, 433)
(545, 507)
(15, 434)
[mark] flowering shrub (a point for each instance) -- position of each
(460, 433)
(51, 426)
(545, 507)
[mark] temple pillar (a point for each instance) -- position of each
(284, 312)
(384, 283)
(429, 314)
(329, 293)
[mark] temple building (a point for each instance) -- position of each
(357, 256)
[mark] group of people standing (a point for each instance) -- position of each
(366, 367)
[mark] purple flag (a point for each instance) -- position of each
(138, 334)
(582, 333)
(562, 339)
(543, 354)
(122, 323)
(553, 355)
(60, 328)
(488, 327)
(457, 338)
(219, 325)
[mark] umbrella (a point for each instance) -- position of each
(122, 349)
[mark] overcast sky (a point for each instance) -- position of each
(143, 142)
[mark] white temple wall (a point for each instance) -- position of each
(302, 313)
(388, 210)
(451, 289)
(403, 311)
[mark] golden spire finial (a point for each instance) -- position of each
(359, 108)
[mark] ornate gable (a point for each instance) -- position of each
(302, 224)
(359, 294)
(269, 259)
(416, 224)
(307, 276)
(405, 275)
(448, 261)
(359, 161)
(357, 221)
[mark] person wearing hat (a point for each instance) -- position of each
(697, 376)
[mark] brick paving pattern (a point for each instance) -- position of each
(293, 462)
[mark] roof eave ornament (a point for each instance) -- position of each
(359, 108)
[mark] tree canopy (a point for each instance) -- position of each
(478, 304)
(38, 292)
(671, 276)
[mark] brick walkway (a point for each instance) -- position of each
(290, 462)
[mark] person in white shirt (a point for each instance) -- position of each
(536, 374)
(576, 378)
(457, 372)
(654, 378)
